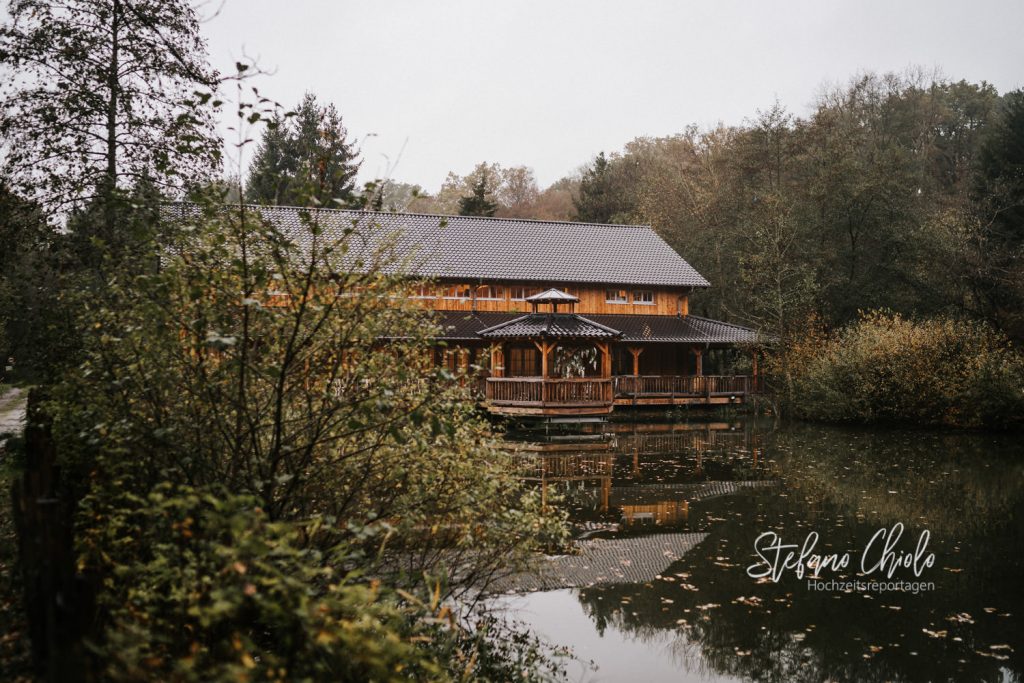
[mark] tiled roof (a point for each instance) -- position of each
(549, 325)
(510, 249)
(691, 329)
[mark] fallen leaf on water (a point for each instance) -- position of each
(993, 655)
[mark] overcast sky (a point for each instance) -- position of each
(550, 83)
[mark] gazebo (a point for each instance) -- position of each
(549, 332)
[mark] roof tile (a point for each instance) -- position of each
(509, 249)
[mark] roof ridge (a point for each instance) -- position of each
(439, 215)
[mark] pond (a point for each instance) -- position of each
(712, 610)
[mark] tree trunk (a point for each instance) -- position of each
(113, 87)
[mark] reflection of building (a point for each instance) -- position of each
(664, 512)
(548, 463)
(592, 465)
(603, 561)
(669, 503)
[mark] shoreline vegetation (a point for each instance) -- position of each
(888, 369)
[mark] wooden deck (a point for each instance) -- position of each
(657, 390)
(548, 396)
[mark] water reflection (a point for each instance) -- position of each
(704, 617)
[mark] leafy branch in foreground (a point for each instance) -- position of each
(248, 381)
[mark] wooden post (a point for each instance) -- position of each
(699, 367)
(636, 351)
(753, 362)
(606, 359)
(497, 360)
(544, 349)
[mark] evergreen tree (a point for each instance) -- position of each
(305, 158)
(600, 198)
(104, 99)
(477, 203)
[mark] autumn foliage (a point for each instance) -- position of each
(885, 367)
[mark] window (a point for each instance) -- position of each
(458, 292)
(523, 362)
(616, 296)
(643, 296)
(520, 293)
(490, 293)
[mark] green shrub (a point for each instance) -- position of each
(887, 368)
(267, 486)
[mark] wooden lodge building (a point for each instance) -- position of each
(562, 318)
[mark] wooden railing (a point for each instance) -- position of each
(590, 391)
(549, 391)
(684, 385)
(515, 390)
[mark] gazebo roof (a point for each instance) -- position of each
(552, 296)
(690, 329)
(550, 325)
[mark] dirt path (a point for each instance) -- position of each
(15, 662)
(12, 410)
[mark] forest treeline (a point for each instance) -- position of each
(898, 191)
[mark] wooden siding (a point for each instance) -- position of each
(593, 300)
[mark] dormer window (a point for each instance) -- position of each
(616, 296)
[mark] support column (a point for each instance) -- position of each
(699, 366)
(544, 348)
(497, 360)
(606, 359)
(635, 351)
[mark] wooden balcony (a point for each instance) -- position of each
(683, 389)
(549, 396)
